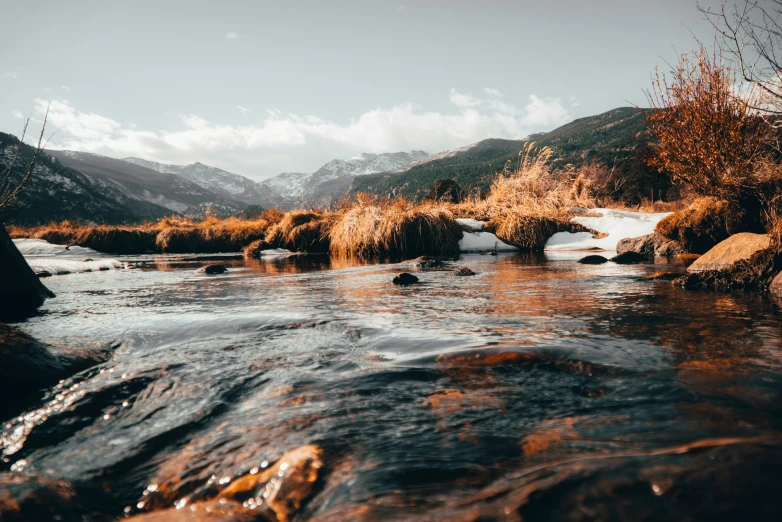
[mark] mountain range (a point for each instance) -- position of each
(95, 188)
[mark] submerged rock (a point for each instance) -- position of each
(21, 291)
(593, 260)
(405, 279)
(212, 269)
(464, 271)
(650, 245)
(424, 262)
(27, 366)
(36, 497)
(663, 276)
(726, 254)
(629, 258)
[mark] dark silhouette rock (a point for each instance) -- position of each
(446, 191)
(593, 260)
(629, 258)
(212, 269)
(21, 291)
(464, 271)
(405, 279)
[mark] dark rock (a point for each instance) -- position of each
(464, 271)
(593, 260)
(776, 285)
(212, 269)
(446, 191)
(425, 262)
(27, 366)
(405, 279)
(44, 273)
(26, 496)
(650, 245)
(663, 276)
(629, 258)
(21, 291)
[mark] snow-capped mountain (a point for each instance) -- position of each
(333, 180)
(221, 182)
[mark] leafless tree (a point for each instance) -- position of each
(752, 34)
(11, 188)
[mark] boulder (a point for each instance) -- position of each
(776, 285)
(213, 269)
(629, 258)
(725, 255)
(405, 279)
(593, 260)
(464, 271)
(21, 291)
(650, 245)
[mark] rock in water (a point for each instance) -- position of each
(405, 279)
(21, 291)
(425, 262)
(464, 271)
(629, 258)
(776, 285)
(650, 245)
(593, 260)
(725, 255)
(212, 269)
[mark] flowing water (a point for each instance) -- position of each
(538, 389)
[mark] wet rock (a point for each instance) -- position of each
(206, 511)
(405, 279)
(650, 245)
(425, 262)
(776, 285)
(36, 497)
(593, 260)
(629, 258)
(21, 291)
(726, 254)
(213, 269)
(44, 273)
(87, 260)
(464, 271)
(27, 366)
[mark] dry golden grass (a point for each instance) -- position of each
(302, 230)
(375, 228)
(703, 224)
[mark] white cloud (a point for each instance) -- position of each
(491, 91)
(292, 142)
(464, 100)
(244, 110)
(11, 76)
(17, 114)
(231, 35)
(65, 88)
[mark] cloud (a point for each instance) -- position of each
(11, 76)
(231, 35)
(65, 88)
(464, 100)
(290, 142)
(492, 92)
(244, 110)
(17, 114)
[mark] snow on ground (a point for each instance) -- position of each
(477, 240)
(473, 224)
(618, 224)
(70, 266)
(276, 252)
(39, 247)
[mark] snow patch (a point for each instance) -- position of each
(39, 248)
(56, 266)
(482, 241)
(276, 252)
(472, 224)
(618, 224)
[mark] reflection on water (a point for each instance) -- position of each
(538, 389)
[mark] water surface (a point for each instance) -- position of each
(538, 389)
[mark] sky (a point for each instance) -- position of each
(263, 87)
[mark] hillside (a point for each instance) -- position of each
(56, 192)
(170, 191)
(615, 139)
